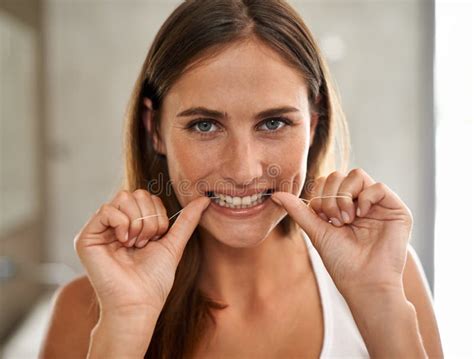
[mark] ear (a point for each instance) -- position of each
(313, 126)
(147, 116)
(314, 120)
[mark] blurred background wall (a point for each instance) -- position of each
(83, 59)
(22, 174)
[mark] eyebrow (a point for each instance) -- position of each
(203, 111)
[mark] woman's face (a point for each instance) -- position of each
(232, 150)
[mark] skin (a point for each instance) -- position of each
(366, 257)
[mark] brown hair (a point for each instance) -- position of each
(194, 31)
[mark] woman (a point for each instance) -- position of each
(234, 119)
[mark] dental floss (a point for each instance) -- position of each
(348, 195)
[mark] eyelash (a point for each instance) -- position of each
(190, 126)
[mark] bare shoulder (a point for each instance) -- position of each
(74, 315)
(418, 293)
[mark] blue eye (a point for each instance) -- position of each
(202, 126)
(273, 124)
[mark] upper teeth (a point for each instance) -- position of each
(237, 201)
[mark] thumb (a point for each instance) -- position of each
(182, 229)
(307, 219)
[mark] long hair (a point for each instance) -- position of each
(195, 30)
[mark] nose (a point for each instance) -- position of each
(242, 163)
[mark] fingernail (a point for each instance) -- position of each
(345, 217)
(358, 212)
(323, 217)
(276, 200)
(142, 243)
(126, 237)
(335, 221)
(132, 242)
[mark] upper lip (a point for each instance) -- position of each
(248, 192)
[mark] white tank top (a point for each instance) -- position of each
(342, 338)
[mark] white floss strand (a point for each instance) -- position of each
(345, 195)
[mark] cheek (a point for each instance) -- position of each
(290, 164)
(189, 162)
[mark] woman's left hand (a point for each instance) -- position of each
(366, 251)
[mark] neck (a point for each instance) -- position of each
(242, 277)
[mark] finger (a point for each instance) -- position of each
(147, 209)
(354, 183)
(126, 202)
(180, 232)
(163, 221)
(329, 204)
(106, 217)
(314, 226)
(316, 194)
(381, 195)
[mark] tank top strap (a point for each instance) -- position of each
(342, 338)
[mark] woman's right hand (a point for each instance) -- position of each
(128, 266)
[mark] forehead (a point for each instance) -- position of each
(248, 73)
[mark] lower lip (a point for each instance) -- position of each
(241, 212)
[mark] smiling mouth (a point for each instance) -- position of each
(240, 202)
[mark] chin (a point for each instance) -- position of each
(238, 234)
